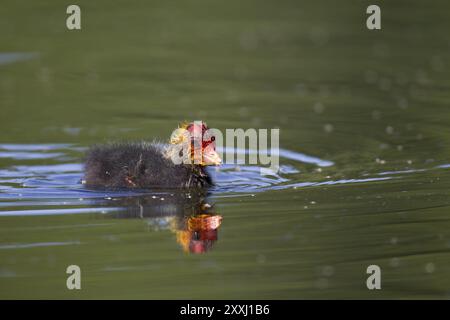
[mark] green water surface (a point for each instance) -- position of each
(370, 101)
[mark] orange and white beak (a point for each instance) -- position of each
(211, 157)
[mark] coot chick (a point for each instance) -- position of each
(141, 165)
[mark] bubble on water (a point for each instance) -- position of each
(422, 77)
(380, 161)
(409, 161)
(389, 130)
(243, 112)
(248, 40)
(383, 146)
(318, 170)
(430, 267)
(312, 202)
(232, 96)
(44, 75)
(419, 136)
(328, 271)
(287, 236)
(110, 237)
(400, 148)
(305, 207)
(376, 115)
(261, 258)
(328, 128)
(92, 77)
(71, 131)
(162, 199)
(256, 122)
(394, 240)
(318, 107)
(300, 89)
(402, 102)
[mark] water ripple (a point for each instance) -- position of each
(36, 188)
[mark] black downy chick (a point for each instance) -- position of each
(181, 164)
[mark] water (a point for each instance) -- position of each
(364, 131)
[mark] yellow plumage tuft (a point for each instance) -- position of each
(178, 136)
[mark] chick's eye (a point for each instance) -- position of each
(213, 138)
(180, 153)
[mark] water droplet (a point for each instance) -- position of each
(318, 107)
(376, 115)
(328, 271)
(328, 128)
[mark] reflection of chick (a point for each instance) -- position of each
(200, 234)
(189, 216)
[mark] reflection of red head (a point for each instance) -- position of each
(201, 233)
(196, 246)
(204, 222)
(207, 235)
